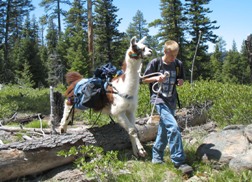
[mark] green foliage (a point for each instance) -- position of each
(143, 171)
(144, 106)
(37, 124)
(171, 25)
(216, 60)
(198, 20)
(107, 36)
(95, 162)
(231, 102)
(72, 46)
(25, 76)
(92, 118)
(231, 176)
(139, 26)
(14, 98)
(231, 68)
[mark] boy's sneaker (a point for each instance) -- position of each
(154, 161)
(185, 168)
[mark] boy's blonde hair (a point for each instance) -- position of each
(171, 45)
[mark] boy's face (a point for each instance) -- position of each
(171, 55)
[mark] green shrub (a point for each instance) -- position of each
(95, 162)
(231, 103)
(14, 98)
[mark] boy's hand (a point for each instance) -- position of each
(180, 82)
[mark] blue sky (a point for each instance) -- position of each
(233, 17)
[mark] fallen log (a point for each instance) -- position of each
(35, 156)
(22, 119)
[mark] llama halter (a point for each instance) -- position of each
(138, 52)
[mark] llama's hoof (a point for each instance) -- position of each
(142, 153)
(62, 130)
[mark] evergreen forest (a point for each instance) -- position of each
(38, 51)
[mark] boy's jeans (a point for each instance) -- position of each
(168, 133)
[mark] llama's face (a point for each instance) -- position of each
(139, 49)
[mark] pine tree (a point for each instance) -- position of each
(25, 76)
(43, 51)
(73, 46)
(13, 12)
(2, 21)
(245, 73)
(55, 64)
(138, 27)
(248, 43)
(200, 27)
(54, 7)
(43, 23)
(2, 24)
(217, 59)
(232, 66)
(171, 25)
(107, 36)
(26, 51)
(2, 76)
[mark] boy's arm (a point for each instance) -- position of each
(159, 78)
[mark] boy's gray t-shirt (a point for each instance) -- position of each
(168, 94)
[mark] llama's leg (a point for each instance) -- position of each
(131, 117)
(64, 122)
(137, 147)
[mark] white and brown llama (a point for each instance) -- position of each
(122, 97)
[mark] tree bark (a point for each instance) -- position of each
(90, 36)
(35, 156)
(57, 107)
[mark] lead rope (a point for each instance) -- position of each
(167, 74)
(150, 120)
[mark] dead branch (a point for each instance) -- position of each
(22, 119)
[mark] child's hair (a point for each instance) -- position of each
(171, 45)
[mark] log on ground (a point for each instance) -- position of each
(35, 156)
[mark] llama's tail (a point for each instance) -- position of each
(72, 77)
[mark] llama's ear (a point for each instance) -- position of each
(142, 40)
(133, 40)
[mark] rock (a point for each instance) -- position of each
(223, 146)
(242, 162)
(248, 132)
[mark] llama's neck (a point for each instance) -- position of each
(131, 82)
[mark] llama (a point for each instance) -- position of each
(122, 98)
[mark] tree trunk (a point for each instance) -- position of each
(6, 44)
(248, 44)
(57, 107)
(34, 156)
(90, 35)
(58, 16)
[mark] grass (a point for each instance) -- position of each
(232, 104)
(37, 124)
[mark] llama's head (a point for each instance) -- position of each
(138, 50)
